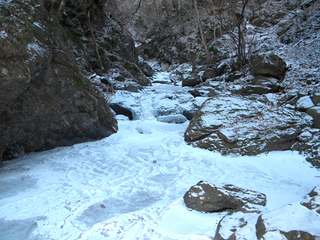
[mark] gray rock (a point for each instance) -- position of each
(132, 86)
(244, 125)
(255, 89)
(314, 112)
(289, 222)
(206, 197)
(316, 98)
(145, 68)
(312, 200)
(191, 81)
(269, 65)
(209, 73)
(304, 103)
(178, 119)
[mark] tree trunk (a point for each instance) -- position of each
(203, 40)
(61, 8)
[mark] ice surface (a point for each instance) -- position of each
(131, 184)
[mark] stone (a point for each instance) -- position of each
(255, 89)
(132, 86)
(206, 197)
(316, 98)
(178, 119)
(191, 81)
(289, 221)
(304, 103)
(312, 200)
(121, 110)
(314, 112)
(268, 65)
(305, 136)
(295, 234)
(209, 73)
(145, 68)
(246, 125)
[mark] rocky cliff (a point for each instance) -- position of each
(45, 100)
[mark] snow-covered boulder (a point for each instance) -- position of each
(261, 85)
(268, 65)
(304, 103)
(245, 125)
(207, 197)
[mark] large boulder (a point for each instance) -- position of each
(206, 197)
(45, 101)
(268, 65)
(245, 125)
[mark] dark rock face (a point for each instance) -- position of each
(244, 125)
(268, 65)
(206, 197)
(44, 99)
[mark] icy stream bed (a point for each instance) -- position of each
(131, 185)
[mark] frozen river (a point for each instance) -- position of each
(131, 184)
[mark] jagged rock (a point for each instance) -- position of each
(304, 103)
(289, 222)
(293, 235)
(206, 197)
(145, 68)
(234, 76)
(268, 65)
(305, 136)
(45, 101)
(191, 81)
(209, 73)
(312, 200)
(229, 227)
(315, 113)
(244, 125)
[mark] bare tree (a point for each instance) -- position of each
(203, 40)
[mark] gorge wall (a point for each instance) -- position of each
(45, 99)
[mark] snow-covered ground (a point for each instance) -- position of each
(131, 184)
